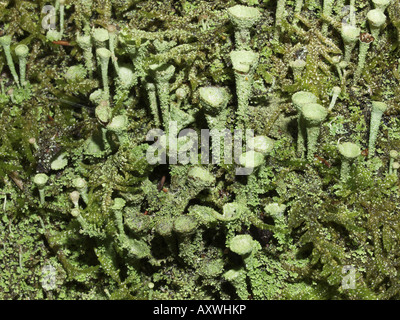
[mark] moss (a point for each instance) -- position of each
(134, 230)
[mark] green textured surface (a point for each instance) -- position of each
(144, 231)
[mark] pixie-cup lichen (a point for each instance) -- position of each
(395, 167)
(350, 36)
(103, 112)
(378, 108)
(200, 178)
(276, 211)
(261, 144)
(162, 74)
(362, 55)
(75, 74)
(152, 98)
(81, 185)
(40, 180)
(376, 19)
(381, 4)
(297, 66)
(299, 99)
(104, 56)
(112, 40)
(185, 226)
(74, 196)
(85, 43)
(214, 101)
(164, 227)
(244, 63)
(349, 152)
(279, 16)
(242, 245)
(314, 114)
(243, 19)
(5, 42)
(119, 125)
(238, 279)
(231, 211)
(22, 52)
(251, 159)
(245, 246)
(100, 37)
(168, 230)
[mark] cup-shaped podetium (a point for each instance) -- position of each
(376, 19)
(119, 125)
(162, 73)
(381, 4)
(261, 144)
(350, 35)
(214, 101)
(242, 245)
(349, 152)
(75, 74)
(22, 52)
(59, 162)
(5, 42)
(81, 185)
(327, 11)
(85, 43)
(74, 197)
(299, 99)
(297, 66)
(313, 114)
(185, 225)
(127, 77)
(40, 180)
(103, 112)
(251, 160)
(231, 211)
(200, 178)
(244, 63)
(238, 279)
(104, 56)
(395, 168)
(100, 37)
(378, 108)
(243, 19)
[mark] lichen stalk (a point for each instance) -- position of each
(362, 55)
(22, 52)
(349, 153)
(85, 44)
(350, 35)
(300, 99)
(313, 114)
(244, 64)
(5, 42)
(104, 56)
(378, 108)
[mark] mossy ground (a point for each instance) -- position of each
(327, 225)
